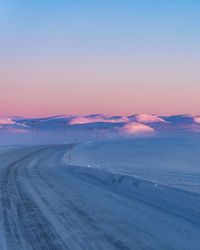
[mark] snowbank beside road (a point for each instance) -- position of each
(77, 207)
(178, 202)
(169, 161)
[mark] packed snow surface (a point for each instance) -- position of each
(170, 161)
(110, 204)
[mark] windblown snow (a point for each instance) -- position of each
(119, 194)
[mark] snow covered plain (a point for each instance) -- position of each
(172, 161)
(125, 199)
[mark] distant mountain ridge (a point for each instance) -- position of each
(134, 124)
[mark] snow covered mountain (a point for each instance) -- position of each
(136, 124)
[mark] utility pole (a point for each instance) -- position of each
(35, 128)
(70, 152)
(63, 125)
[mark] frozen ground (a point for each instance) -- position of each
(173, 162)
(46, 204)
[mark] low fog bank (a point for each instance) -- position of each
(44, 137)
(84, 135)
(171, 159)
(96, 127)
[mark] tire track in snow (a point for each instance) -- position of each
(82, 216)
(25, 226)
(44, 207)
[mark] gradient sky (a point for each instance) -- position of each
(114, 57)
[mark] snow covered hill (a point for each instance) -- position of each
(95, 127)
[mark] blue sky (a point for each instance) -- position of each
(149, 47)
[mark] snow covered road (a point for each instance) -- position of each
(48, 205)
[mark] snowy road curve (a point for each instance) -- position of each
(46, 206)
